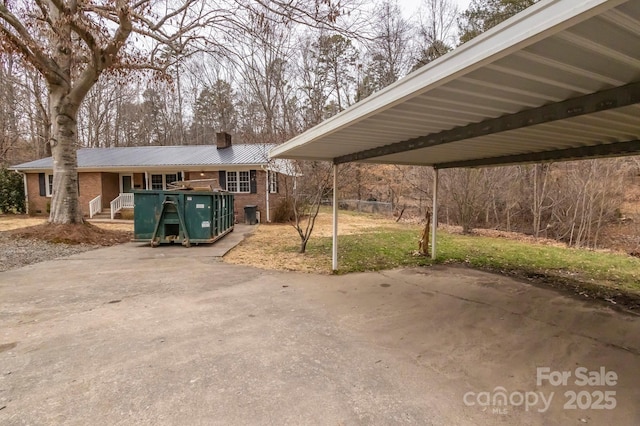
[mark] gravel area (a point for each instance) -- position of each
(18, 252)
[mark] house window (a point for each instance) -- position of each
(273, 182)
(243, 182)
(156, 182)
(170, 178)
(46, 184)
(238, 182)
(161, 181)
(49, 185)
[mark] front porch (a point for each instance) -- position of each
(122, 201)
(114, 192)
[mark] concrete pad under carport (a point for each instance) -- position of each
(116, 336)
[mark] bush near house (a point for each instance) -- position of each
(284, 211)
(11, 192)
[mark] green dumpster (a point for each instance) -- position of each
(185, 217)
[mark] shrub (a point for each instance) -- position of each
(11, 192)
(284, 211)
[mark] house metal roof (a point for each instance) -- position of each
(560, 80)
(186, 156)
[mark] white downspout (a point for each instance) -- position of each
(26, 191)
(267, 195)
(334, 245)
(434, 218)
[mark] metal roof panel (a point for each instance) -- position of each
(162, 156)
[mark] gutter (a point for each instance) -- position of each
(266, 171)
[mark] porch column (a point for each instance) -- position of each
(434, 218)
(146, 180)
(334, 245)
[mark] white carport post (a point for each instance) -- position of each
(334, 245)
(434, 218)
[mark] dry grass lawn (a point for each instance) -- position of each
(10, 222)
(275, 246)
(264, 249)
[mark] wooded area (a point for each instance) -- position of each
(150, 74)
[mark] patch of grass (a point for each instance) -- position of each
(619, 271)
(374, 249)
(389, 247)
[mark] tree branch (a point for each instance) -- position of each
(102, 58)
(27, 46)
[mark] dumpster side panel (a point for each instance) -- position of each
(229, 211)
(198, 211)
(145, 214)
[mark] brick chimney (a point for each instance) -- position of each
(223, 140)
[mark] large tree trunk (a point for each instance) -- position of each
(65, 206)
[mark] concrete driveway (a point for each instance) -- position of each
(134, 335)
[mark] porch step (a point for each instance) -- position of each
(105, 216)
(102, 215)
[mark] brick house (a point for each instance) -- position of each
(107, 175)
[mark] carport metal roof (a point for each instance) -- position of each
(560, 80)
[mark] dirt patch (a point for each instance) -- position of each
(85, 233)
(7, 346)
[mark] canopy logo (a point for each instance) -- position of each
(500, 400)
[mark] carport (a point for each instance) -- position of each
(559, 81)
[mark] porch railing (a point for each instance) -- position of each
(122, 201)
(95, 206)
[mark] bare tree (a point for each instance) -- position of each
(541, 201)
(466, 188)
(437, 23)
(315, 84)
(71, 44)
(482, 15)
(9, 133)
(313, 185)
(263, 65)
(389, 50)
(338, 56)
